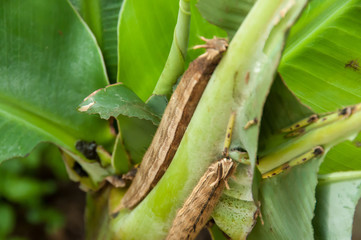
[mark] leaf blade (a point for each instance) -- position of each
(40, 60)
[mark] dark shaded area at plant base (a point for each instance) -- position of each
(70, 201)
(37, 200)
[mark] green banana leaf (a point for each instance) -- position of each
(102, 18)
(226, 14)
(115, 100)
(287, 204)
(337, 195)
(320, 65)
(146, 31)
(49, 63)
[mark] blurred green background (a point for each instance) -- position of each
(37, 201)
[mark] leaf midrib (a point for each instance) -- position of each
(339, 177)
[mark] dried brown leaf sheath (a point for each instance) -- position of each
(174, 122)
(198, 208)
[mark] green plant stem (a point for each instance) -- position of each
(203, 141)
(91, 11)
(174, 67)
(326, 136)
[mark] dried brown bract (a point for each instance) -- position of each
(175, 121)
(197, 209)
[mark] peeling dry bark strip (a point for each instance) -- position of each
(174, 122)
(197, 209)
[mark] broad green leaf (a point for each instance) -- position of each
(110, 15)
(136, 119)
(49, 63)
(102, 18)
(228, 14)
(349, 150)
(287, 203)
(145, 37)
(145, 32)
(320, 65)
(115, 100)
(227, 91)
(137, 135)
(337, 195)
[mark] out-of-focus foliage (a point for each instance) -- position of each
(25, 185)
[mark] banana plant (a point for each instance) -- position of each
(252, 134)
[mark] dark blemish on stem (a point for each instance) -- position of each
(295, 133)
(251, 123)
(79, 170)
(286, 167)
(358, 144)
(313, 118)
(353, 64)
(345, 111)
(318, 151)
(304, 159)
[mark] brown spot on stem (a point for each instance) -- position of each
(246, 79)
(312, 118)
(318, 151)
(286, 166)
(251, 123)
(345, 111)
